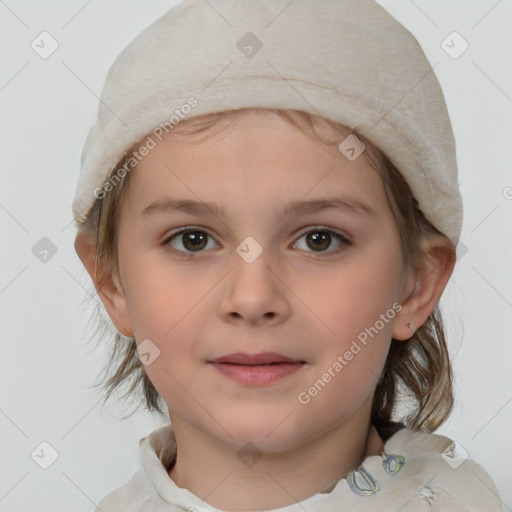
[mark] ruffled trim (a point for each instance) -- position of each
(415, 472)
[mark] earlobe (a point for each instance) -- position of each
(111, 292)
(424, 287)
(405, 326)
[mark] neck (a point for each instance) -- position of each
(211, 469)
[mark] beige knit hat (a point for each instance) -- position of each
(347, 60)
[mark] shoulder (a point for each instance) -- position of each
(150, 488)
(439, 472)
(130, 497)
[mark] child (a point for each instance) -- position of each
(268, 207)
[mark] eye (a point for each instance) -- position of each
(320, 239)
(189, 240)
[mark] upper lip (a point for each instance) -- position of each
(253, 359)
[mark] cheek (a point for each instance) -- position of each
(166, 305)
(353, 296)
(357, 307)
(160, 295)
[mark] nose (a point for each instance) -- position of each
(255, 293)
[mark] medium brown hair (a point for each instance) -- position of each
(417, 372)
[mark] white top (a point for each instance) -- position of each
(416, 472)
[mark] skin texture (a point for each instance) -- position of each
(293, 299)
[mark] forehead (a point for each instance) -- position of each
(257, 156)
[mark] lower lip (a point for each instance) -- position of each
(257, 374)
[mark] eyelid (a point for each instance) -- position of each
(345, 239)
(319, 227)
(168, 237)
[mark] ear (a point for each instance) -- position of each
(111, 293)
(424, 285)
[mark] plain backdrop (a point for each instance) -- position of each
(48, 106)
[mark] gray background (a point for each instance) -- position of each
(47, 107)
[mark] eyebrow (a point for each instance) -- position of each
(344, 203)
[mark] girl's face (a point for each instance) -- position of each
(320, 284)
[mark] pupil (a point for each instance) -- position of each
(321, 239)
(193, 240)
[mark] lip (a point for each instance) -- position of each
(254, 359)
(256, 369)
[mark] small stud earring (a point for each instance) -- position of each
(411, 327)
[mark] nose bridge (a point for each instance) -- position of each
(254, 290)
(253, 265)
(250, 250)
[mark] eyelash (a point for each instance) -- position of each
(315, 229)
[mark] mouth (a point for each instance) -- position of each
(256, 369)
(255, 359)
